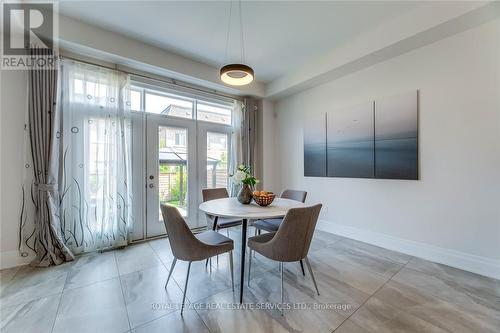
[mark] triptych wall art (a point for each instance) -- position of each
(377, 139)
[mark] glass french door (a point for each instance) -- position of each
(180, 145)
(171, 170)
(214, 150)
(183, 157)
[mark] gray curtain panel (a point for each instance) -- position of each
(248, 129)
(43, 129)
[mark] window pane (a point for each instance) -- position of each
(167, 105)
(217, 167)
(214, 113)
(78, 86)
(135, 100)
(172, 171)
(100, 151)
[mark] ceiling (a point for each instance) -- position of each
(279, 36)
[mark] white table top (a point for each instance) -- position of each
(231, 208)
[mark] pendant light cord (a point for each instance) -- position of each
(242, 41)
(228, 30)
(241, 36)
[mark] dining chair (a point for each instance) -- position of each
(272, 225)
(216, 222)
(290, 242)
(189, 247)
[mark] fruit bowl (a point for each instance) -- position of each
(263, 198)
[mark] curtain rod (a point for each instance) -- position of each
(172, 81)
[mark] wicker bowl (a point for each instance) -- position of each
(264, 200)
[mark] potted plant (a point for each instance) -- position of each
(244, 177)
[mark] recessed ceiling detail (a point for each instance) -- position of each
(279, 35)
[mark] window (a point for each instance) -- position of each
(99, 151)
(97, 91)
(173, 171)
(180, 139)
(217, 158)
(135, 99)
(214, 113)
(169, 103)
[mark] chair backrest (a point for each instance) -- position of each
(294, 195)
(293, 238)
(214, 193)
(182, 241)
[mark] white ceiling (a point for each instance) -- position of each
(279, 35)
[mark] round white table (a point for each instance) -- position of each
(231, 208)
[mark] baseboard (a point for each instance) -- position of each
(9, 259)
(465, 261)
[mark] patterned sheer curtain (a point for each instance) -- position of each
(95, 167)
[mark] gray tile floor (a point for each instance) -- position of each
(363, 289)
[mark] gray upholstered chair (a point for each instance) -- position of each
(189, 247)
(290, 242)
(216, 222)
(272, 225)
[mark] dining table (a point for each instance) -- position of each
(233, 209)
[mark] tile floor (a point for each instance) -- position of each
(363, 289)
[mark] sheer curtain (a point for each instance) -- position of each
(95, 168)
(236, 144)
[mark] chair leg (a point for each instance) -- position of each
(171, 270)
(227, 232)
(302, 267)
(249, 267)
(311, 273)
(231, 267)
(185, 288)
(282, 298)
(206, 262)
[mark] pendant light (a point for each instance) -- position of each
(236, 74)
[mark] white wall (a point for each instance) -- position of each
(451, 215)
(12, 113)
(268, 137)
(265, 142)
